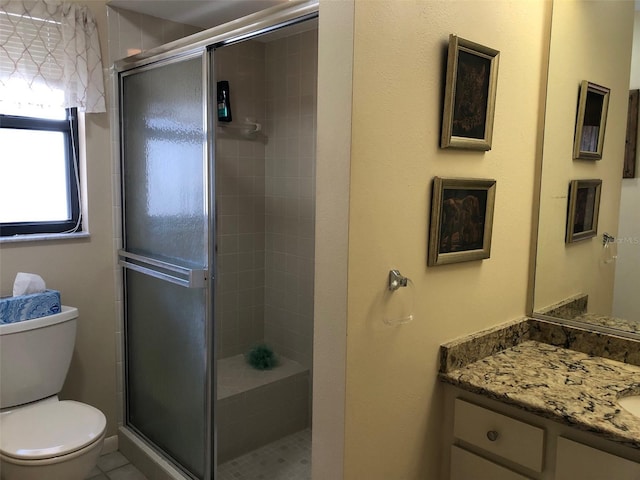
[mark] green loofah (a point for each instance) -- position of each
(261, 357)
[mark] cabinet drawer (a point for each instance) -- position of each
(466, 465)
(575, 460)
(496, 433)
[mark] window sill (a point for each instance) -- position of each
(44, 237)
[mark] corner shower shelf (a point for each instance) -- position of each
(248, 130)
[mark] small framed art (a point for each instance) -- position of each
(470, 95)
(461, 220)
(591, 121)
(583, 209)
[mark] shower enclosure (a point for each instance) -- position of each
(218, 239)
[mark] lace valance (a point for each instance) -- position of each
(49, 56)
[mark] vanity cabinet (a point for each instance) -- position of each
(489, 440)
(466, 465)
(499, 434)
(575, 460)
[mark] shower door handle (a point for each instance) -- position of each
(185, 277)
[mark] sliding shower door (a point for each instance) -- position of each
(166, 237)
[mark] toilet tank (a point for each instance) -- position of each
(35, 356)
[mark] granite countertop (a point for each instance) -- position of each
(558, 383)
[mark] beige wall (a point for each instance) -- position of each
(393, 398)
(132, 32)
(626, 302)
(83, 269)
(603, 30)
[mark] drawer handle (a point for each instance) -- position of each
(492, 435)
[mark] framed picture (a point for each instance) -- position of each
(631, 143)
(461, 220)
(591, 121)
(582, 212)
(470, 95)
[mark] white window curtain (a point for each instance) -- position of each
(49, 56)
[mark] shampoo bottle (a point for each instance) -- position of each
(224, 103)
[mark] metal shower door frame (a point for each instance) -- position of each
(179, 275)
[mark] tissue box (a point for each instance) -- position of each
(26, 307)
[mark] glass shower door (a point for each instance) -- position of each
(166, 259)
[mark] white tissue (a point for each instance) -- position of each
(27, 283)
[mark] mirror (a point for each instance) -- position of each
(592, 279)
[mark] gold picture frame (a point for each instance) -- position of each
(461, 220)
(591, 121)
(583, 209)
(470, 95)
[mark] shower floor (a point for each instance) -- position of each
(286, 459)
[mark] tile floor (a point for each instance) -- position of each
(115, 466)
(286, 459)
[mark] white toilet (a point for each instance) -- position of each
(42, 437)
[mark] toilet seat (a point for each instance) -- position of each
(45, 430)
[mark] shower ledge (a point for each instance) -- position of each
(236, 376)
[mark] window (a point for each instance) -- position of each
(50, 65)
(39, 172)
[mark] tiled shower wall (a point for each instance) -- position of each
(266, 198)
(291, 71)
(240, 169)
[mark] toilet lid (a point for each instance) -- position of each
(49, 429)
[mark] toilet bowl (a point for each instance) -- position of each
(50, 439)
(42, 437)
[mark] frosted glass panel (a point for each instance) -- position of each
(165, 218)
(164, 145)
(166, 367)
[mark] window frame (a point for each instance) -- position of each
(69, 128)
